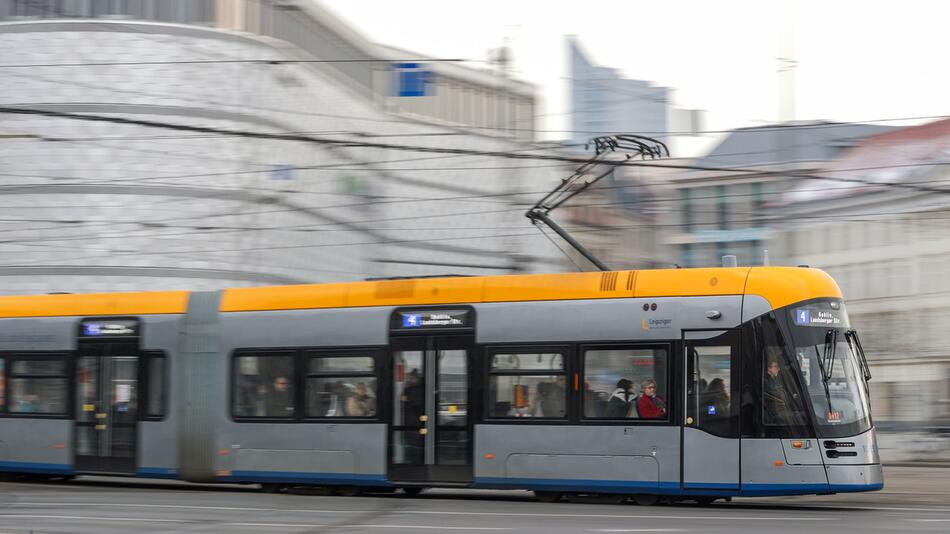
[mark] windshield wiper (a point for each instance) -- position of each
(825, 376)
(830, 363)
(826, 363)
(827, 360)
(865, 368)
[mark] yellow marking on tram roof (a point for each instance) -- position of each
(83, 305)
(780, 286)
(285, 297)
(566, 286)
(690, 282)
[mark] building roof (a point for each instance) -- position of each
(900, 155)
(792, 142)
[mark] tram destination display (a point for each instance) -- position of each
(109, 328)
(821, 315)
(412, 320)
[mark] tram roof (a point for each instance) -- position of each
(780, 286)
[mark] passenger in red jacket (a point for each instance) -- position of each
(651, 405)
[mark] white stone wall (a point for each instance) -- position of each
(156, 208)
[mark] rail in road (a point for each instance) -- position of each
(915, 500)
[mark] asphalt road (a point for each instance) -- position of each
(914, 500)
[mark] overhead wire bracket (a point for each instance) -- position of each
(589, 173)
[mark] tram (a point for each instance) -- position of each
(679, 384)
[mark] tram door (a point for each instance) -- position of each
(431, 430)
(711, 419)
(107, 398)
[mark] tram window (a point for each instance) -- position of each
(527, 362)
(39, 367)
(155, 403)
(329, 364)
(770, 403)
(616, 380)
(37, 386)
(3, 386)
(341, 386)
(263, 386)
(527, 385)
(710, 398)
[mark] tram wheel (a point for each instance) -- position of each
(548, 496)
(348, 491)
(706, 501)
(595, 498)
(272, 488)
(412, 491)
(645, 499)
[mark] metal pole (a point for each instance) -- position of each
(541, 216)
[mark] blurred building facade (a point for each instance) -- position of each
(98, 206)
(616, 220)
(725, 204)
(603, 102)
(881, 226)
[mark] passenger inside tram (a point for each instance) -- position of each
(716, 396)
(360, 402)
(650, 405)
(621, 401)
(280, 400)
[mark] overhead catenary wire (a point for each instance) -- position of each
(448, 150)
(480, 198)
(395, 120)
(200, 230)
(263, 61)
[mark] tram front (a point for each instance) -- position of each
(833, 372)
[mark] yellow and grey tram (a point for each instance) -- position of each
(683, 383)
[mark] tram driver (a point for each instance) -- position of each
(778, 400)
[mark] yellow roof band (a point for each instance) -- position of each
(781, 286)
(82, 305)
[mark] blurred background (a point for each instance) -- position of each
(203, 144)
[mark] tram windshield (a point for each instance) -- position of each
(832, 367)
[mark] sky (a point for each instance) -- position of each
(856, 60)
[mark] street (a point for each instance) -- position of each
(912, 501)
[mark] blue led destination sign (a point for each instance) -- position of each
(432, 319)
(110, 328)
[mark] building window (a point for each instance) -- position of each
(341, 386)
(527, 385)
(617, 379)
(263, 386)
(38, 385)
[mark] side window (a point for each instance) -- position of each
(3, 386)
(341, 386)
(527, 385)
(263, 386)
(155, 387)
(38, 385)
(713, 410)
(626, 383)
(769, 403)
